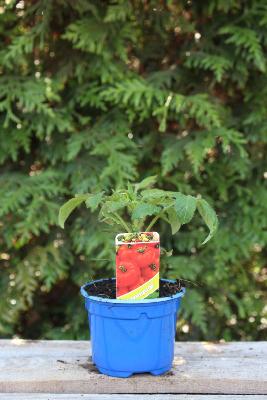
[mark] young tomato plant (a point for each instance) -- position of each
(140, 206)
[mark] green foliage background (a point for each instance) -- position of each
(94, 94)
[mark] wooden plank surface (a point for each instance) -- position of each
(42, 396)
(65, 367)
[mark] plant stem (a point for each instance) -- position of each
(154, 220)
(123, 223)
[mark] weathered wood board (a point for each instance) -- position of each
(49, 396)
(199, 367)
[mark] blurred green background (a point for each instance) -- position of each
(94, 94)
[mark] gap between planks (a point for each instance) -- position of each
(38, 396)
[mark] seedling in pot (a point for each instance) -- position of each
(136, 210)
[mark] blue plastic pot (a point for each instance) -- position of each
(132, 336)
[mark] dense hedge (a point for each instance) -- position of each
(94, 94)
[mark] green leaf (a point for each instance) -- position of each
(209, 217)
(185, 207)
(130, 190)
(215, 63)
(172, 154)
(146, 183)
(196, 309)
(70, 206)
(94, 200)
(198, 148)
(248, 41)
(156, 193)
(164, 252)
(144, 209)
(113, 206)
(173, 220)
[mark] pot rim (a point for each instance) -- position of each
(133, 302)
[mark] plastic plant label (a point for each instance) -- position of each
(137, 265)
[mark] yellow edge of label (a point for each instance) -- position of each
(142, 291)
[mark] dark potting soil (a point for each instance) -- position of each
(107, 288)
